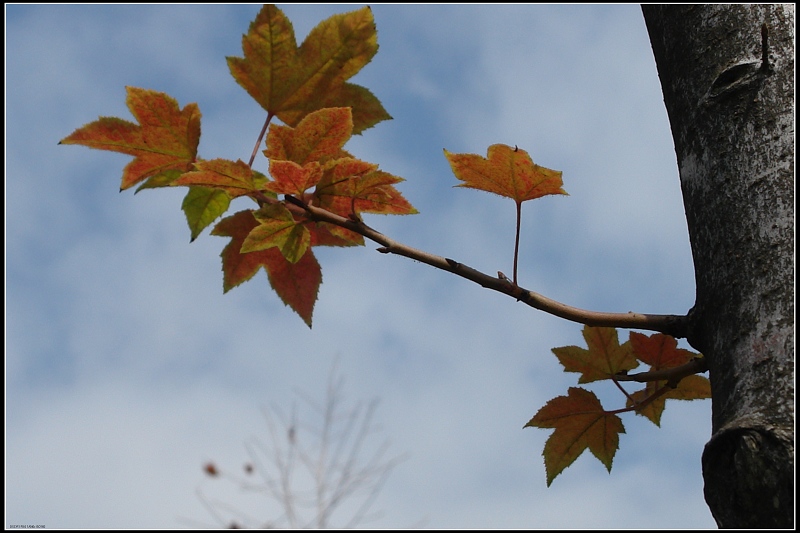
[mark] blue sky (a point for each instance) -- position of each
(127, 367)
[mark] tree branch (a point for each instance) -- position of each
(671, 375)
(675, 325)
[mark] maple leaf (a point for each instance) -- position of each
(278, 228)
(692, 387)
(235, 178)
(311, 154)
(350, 186)
(580, 422)
(165, 139)
(367, 109)
(506, 171)
(203, 206)
(661, 352)
(604, 358)
(321, 135)
(291, 178)
(295, 153)
(290, 83)
(297, 284)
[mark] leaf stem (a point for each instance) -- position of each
(516, 241)
(675, 325)
(644, 403)
(672, 376)
(620, 387)
(260, 138)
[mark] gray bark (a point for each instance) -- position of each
(727, 75)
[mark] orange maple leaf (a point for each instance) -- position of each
(297, 284)
(290, 82)
(350, 186)
(604, 358)
(165, 140)
(580, 422)
(291, 178)
(661, 352)
(311, 154)
(505, 171)
(320, 136)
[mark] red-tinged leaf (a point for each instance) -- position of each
(165, 139)
(604, 358)
(236, 266)
(203, 206)
(659, 351)
(505, 171)
(296, 284)
(334, 189)
(291, 178)
(291, 82)
(234, 177)
(689, 388)
(278, 228)
(320, 136)
(351, 186)
(580, 422)
(374, 193)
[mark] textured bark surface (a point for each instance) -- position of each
(727, 75)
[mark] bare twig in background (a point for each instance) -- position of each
(325, 474)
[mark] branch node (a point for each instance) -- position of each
(296, 201)
(701, 363)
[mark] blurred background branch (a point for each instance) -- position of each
(322, 473)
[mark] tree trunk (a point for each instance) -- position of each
(727, 75)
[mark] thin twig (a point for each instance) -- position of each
(672, 376)
(621, 388)
(644, 403)
(675, 325)
(697, 365)
(260, 138)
